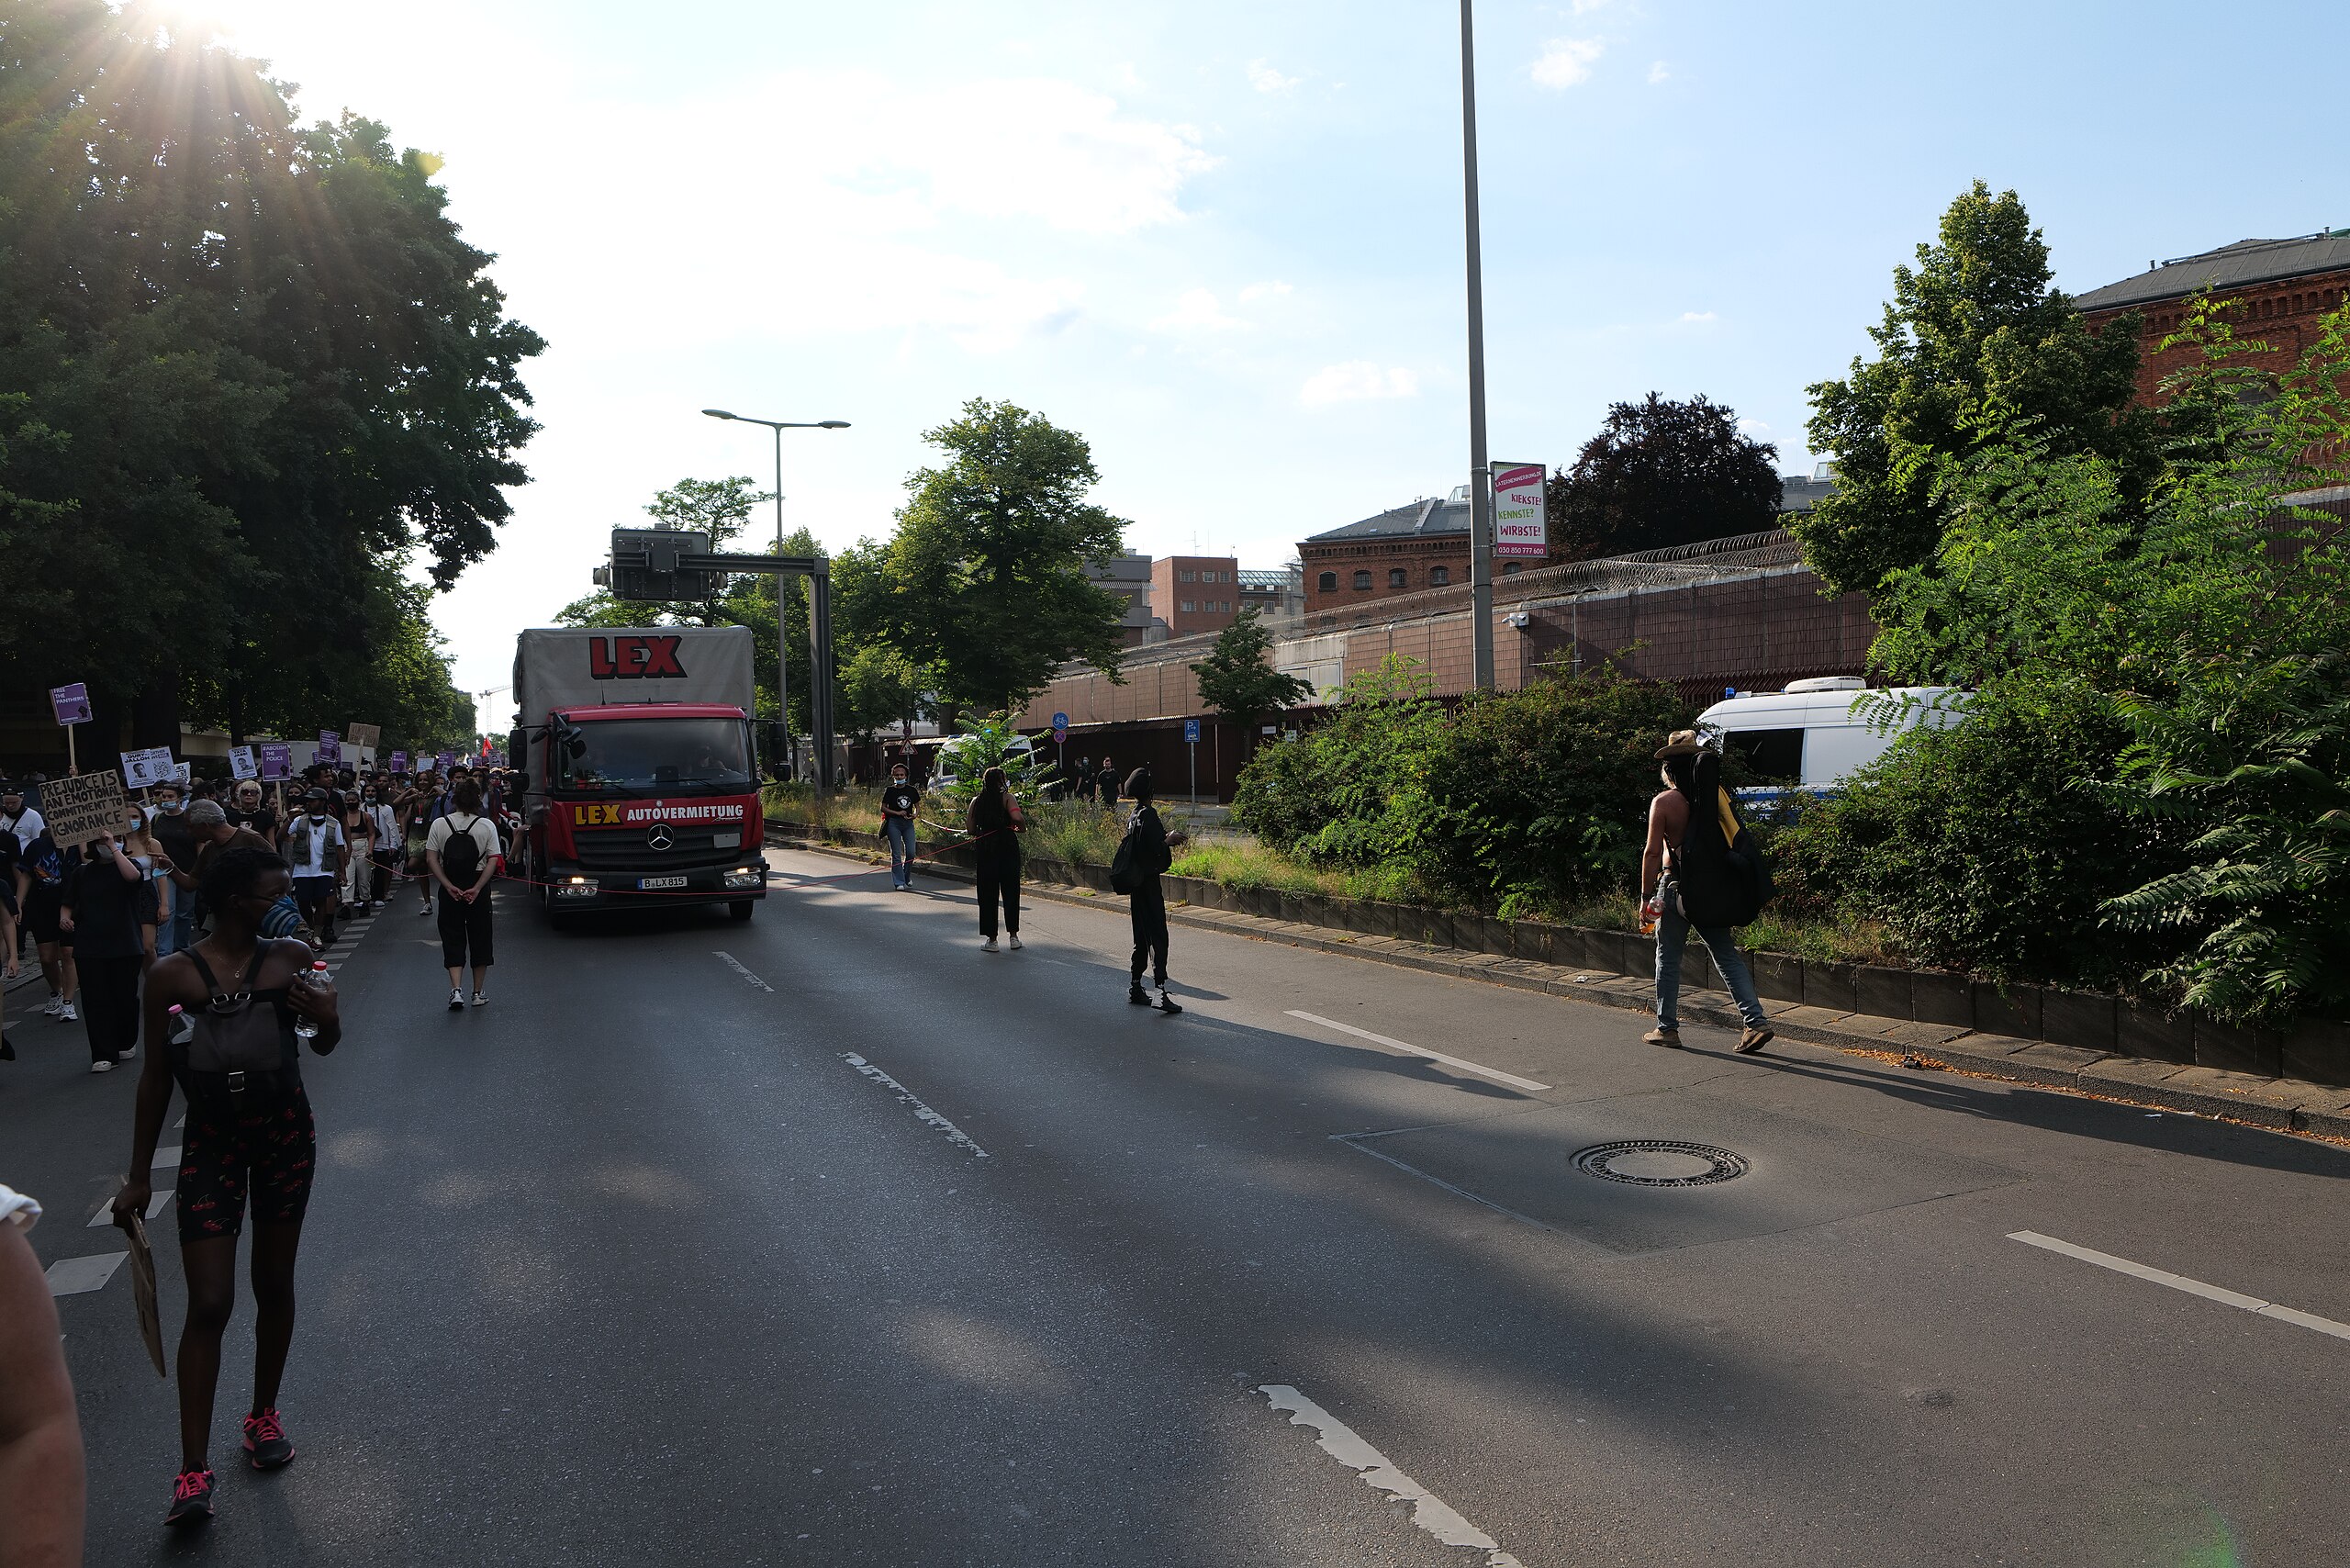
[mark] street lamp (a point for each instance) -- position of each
(1481, 499)
(782, 641)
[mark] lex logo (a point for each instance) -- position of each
(595, 816)
(634, 658)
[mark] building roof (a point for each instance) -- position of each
(2230, 266)
(1264, 582)
(1801, 492)
(1422, 517)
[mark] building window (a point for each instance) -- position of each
(1362, 580)
(1326, 583)
(1186, 577)
(1395, 577)
(1511, 569)
(1439, 576)
(1184, 608)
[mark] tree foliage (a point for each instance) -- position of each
(1237, 677)
(1662, 472)
(984, 584)
(1974, 340)
(247, 371)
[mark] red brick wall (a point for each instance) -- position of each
(2283, 315)
(1415, 556)
(1169, 593)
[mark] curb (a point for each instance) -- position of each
(2277, 1104)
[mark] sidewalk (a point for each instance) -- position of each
(2281, 1104)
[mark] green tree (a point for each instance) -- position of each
(1662, 472)
(260, 369)
(877, 689)
(985, 581)
(1974, 340)
(1237, 677)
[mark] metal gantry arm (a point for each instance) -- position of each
(817, 569)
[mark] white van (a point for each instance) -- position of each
(1819, 732)
(946, 763)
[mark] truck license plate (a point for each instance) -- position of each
(660, 881)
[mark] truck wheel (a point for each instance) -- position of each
(740, 909)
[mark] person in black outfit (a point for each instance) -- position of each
(1082, 788)
(249, 1139)
(1151, 854)
(900, 800)
(995, 826)
(1105, 783)
(107, 899)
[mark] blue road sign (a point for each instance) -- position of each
(1191, 731)
(1060, 721)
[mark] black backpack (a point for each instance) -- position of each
(1127, 874)
(1718, 881)
(461, 856)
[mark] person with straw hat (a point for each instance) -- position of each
(1684, 865)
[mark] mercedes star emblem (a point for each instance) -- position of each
(659, 838)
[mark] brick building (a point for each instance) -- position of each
(2283, 287)
(1408, 549)
(1190, 594)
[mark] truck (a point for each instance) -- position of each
(640, 779)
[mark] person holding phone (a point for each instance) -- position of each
(996, 823)
(108, 907)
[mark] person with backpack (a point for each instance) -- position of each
(461, 852)
(225, 1016)
(995, 823)
(1708, 876)
(1143, 855)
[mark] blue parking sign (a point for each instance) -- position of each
(1191, 731)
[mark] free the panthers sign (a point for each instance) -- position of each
(632, 656)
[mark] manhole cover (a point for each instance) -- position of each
(1659, 1162)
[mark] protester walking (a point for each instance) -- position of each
(899, 801)
(1105, 784)
(246, 810)
(461, 852)
(108, 899)
(314, 848)
(19, 818)
(42, 872)
(1081, 780)
(176, 846)
(1689, 861)
(359, 852)
(384, 836)
(1143, 857)
(426, 804)
(996, 823)
(139, 843)
(244, 1003)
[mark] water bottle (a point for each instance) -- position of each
(181, 1028)
(316, 981)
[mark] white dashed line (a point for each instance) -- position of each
(728, 958)
(2181, 1282)
(922, 1113)
(156, 1206)
(1412, 1050)
(1430, 1512)
(168, 1156)
(74, 1276)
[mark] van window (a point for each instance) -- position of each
(1771, 754)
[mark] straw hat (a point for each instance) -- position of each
(1683, 742)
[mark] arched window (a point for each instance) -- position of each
(1439, 576)
(1396, 577)
(1362, 579)
(1511, 569)
(1327, 582)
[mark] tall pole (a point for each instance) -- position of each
(782, 636)
(1481, 500)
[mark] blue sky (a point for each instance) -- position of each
(1223, 241)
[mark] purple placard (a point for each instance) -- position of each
(400, 762)
(330, 750)
(446, 760)
(69, 703)
(276, 761)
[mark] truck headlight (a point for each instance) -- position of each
(744, 877)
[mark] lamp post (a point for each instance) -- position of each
(1480, 498)
(782, 642)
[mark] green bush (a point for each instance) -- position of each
(1352, 791)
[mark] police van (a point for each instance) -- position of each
(1818, 732)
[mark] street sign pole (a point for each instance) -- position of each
(1192, 743)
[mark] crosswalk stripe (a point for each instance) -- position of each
(76, 1276)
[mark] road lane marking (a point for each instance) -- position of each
(922, 1113)
(1430, 1512)
(168, 1156)
(1410, 1049)
(74, 1276)
(2181, 1282)
(156, 1206)
(729, 959)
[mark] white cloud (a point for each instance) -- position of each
(1196, 311)
(1272, 289)
(1265, 79)
(1566, 61)
(1356, 381)
(1699, 317)
(1657, 73)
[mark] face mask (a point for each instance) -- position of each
(168, 808)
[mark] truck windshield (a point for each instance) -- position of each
(705, 755)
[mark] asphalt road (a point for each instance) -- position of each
(831, 1239)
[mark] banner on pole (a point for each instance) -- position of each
(81, 808)
(69, 703)
(445, 761)
(400, 762)
(241, 764)
(145, 769)
(276, 761)
(1521, 516)
(366, 737)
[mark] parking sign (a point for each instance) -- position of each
(1192, 732)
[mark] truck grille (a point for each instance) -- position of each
(630, 849)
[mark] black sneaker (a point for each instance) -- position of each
(190, 1499)
(1167, 1003)
(1135, 995)
(266, 1444)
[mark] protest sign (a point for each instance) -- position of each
(69, 703)
(81, 808)
(276, 761)
(400, 762)
(366, 737)
(144, 769)
(241, 764)
(330, 750)
(446, 760)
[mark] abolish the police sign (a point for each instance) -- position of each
(1519, 519)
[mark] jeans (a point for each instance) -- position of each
(899, 830)
(1672, 935)
(177, 935)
